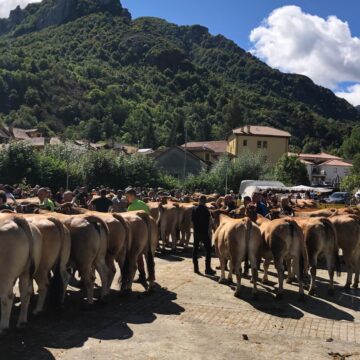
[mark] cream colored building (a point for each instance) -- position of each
(273, 142)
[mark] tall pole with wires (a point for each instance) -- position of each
(185, 154)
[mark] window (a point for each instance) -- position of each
(265, 144)
(259, 144)
(245, 143)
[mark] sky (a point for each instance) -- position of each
(316, 38)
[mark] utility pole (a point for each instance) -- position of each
(185, 153)
(226, 175)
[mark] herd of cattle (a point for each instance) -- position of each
(48, 247)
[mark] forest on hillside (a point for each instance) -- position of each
(98, 74)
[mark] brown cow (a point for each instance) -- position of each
(20, 253)
(56, 245)
(143, 237)
(169, 214)
(283, 240)
(348, 236)
(320, 238)
(89, 246)
(185, 223)
(236, 239)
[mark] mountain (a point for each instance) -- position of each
(85, 69)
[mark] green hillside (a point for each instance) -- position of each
(85, 69)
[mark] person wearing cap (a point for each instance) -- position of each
(102, 203)
(201, 219)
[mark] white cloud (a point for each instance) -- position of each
(323, 49)
(351, 94)
(7, 5)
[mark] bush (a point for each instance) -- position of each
(350, 183)
(291, 171)
(247, 166)
(18, 161)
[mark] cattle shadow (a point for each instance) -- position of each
(73, 326)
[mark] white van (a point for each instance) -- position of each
(248, 187)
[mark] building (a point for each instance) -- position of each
(273, 142)
(324, 169)
(208, 151)
(175, 159)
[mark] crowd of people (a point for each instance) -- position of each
(105, 199)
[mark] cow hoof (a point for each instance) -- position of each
(222, 281)
(230, 280)
(237, 294)
(265, 282)
(125, 292)
(331, 292)
(355, 285)
(279, 296)
(312, 292)
(301, 298)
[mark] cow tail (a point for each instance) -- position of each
(125, 268)
(58, 282)
(150, 263)
(330, 231)
(296, 231)
(99, 223)
(24, 225)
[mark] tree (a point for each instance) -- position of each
(350, 183)
(351, 145)
(291, 171)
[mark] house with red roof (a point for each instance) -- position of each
(324, 168)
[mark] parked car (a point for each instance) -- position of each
(338, 198)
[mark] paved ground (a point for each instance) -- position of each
(193, 317)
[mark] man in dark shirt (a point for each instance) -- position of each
(201, 220)
(102, 204)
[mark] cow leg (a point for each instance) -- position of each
(290, 270)
(296, 263)
(121, 261)
(132, 272)
(231, 270)
(330, 263)
(279, 265)
(356, 280)
(348, 279)
(187, 239)
(174, 240)
(110, 263)
(103, 271)
(265, 279)
(6, 306)
(312, 280)
(25, 288)
(238, 278)
(313, 269)
(88, 279)
(254, 274)
(42, 281)
(222, 279)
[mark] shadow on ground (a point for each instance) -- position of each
(76, 323)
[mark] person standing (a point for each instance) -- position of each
(201, 220)
(102, 203)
